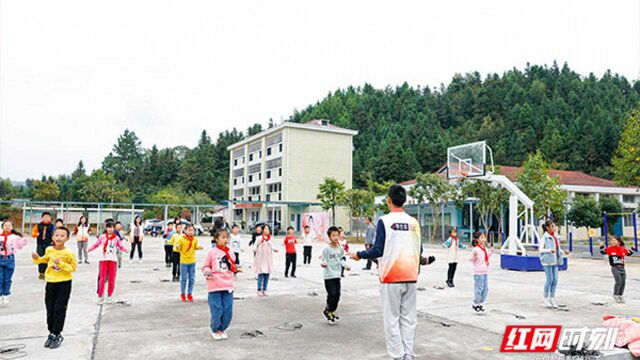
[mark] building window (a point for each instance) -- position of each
(235, 181)
(268, 174)
(628, 198)
(279, 196)
(268, 197)
(259, 176)
(250, 178)
(280, 172)
(260, 154)
(280, 147)
(250, 157)
(628, 217)
(235, 162)
(268, 151)
(242, 180)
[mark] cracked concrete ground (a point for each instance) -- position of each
(152, 323)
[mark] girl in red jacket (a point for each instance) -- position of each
(616, 252)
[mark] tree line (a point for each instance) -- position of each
(575, 121)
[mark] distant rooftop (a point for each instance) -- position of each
(565, 177)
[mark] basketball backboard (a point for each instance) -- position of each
(469, 160)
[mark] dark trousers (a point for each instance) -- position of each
(307, 254)
(168, 253)
(136, 243)
(175, 261)
(451, 272)
(290, 261)
(56, 299)
(620, 277)
(333, 294)
(41, 247)
(369, 261)
(237, 257)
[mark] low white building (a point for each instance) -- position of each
(576, 183)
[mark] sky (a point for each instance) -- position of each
(75, 74)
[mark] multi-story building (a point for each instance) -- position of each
(275, 174)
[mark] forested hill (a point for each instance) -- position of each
(575, 120)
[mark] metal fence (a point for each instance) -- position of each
(97, 212)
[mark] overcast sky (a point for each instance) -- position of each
(75, 74)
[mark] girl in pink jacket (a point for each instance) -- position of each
(219, 270)
(263, 260)
(108, 243)
(480, 259)
(10, 241)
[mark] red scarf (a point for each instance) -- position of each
(225, 249)
(190, 238)
(554, 239)
(6, 250)
(456, 239)
(486, 255)
(106, 242)
(266, 238)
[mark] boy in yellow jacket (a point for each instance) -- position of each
(186, 247)
(61, 263)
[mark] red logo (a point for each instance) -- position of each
(528, 338)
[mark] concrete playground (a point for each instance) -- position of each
(150, 322)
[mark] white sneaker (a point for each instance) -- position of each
(215, 336)
(620, 298)
(6, 299)
(130, 261)
(140, 261)
(110, 300)
(547, 303)
(100, 300)
(2, 300)
(552, 301)
(223, 335)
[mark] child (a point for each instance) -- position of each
(344, 243)
(108, 243)
(60, 263)
(136, 236)
(82, 232)
(59, 223)
(175, 254)
(480, 259)
(43, 233)
(263, 260)
(452, 257)
(119, 233)
(219, 269)
(616, 252)
(290, 252)
(186, 246)
(333, 262)
(235, 242)
(307, 240)
(10, 242)
(551, 258)
(168, 248)
(257, 234)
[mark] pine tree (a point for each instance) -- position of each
(626, 162)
